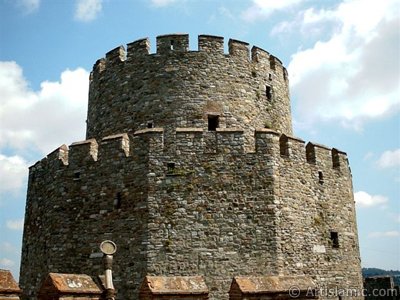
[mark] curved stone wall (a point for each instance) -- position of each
(179, 88)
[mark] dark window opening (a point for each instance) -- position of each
(172, 45)
(320, 177)
(150, 125)
(77, 175)
(270, 76)
(335, 239)
(335, 159)
(284, 74)
(284, 145)
(213, 123)
(268, 92)
(310, 153)
(117, 201)
(170, 168)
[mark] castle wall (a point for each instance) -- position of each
(182, 199)
(175, 87)
(201, 205)
(316, 203)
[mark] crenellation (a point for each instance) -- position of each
(115, 56)
(59, 156)
(230, 140)
(210, 43)
(296, 148)
(114, 147)
(172, 43)
(267, 141)
(82, 152)
(259, 55)
(189, 141)
(138, 49)
(239, 49)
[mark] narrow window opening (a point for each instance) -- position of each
(335, 159)
(269, 76)
(284, 145)
(172, 45)
(320, 177)
(117, 201)
(77, 175)
(170, 168)
(284, 74)
(268, 92)
(213, 123)
(310, 153)
(335, 239)
(150, 125)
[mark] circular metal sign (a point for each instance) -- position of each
(108, 247)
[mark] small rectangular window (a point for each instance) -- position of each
(172, 45)
(77, 175)
(320, 177)
(150, 125)
(213, 122)
(117, 201)
(268, 92)
(335, 239)
(170, 168)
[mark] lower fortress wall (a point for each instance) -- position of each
(201, 206)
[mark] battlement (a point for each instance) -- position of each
(224, 141)
(172, 44)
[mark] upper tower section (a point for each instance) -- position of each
(174, 87)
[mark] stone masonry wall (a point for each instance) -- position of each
(176, 87)
(191, 208)
(183, 200)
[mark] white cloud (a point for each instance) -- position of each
(380, 234)
(8, 247)
(389, 159)
(15, 224)
(87, 10)
(353, 75)
(13, 173)
(262, 8)
(161, 3)
(45, 119)
(28, 6)
(364, 199)
(6, 263)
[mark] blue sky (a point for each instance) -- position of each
(344, 70)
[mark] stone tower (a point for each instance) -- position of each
(191, 167)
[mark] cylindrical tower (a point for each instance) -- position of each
(176, 87)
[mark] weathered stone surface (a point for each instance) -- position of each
(200, 196)
(69, 286)
(9, 289)
(173, 287)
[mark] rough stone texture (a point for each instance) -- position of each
(173, 287)
(184, 201)
(69, 287)
(9, 289)
(179, 88)
(272, 287)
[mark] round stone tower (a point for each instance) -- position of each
(176, 87)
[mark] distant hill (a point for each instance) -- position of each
(368, 272)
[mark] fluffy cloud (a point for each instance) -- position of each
(353, 75)
(41, 120)
(379, 234)
(364, 199)
(161, 3)
(6, 263)
(15, 224)
(28, 6)
(262, 9)
(389, 159)
(13, 173)
(87, 10)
